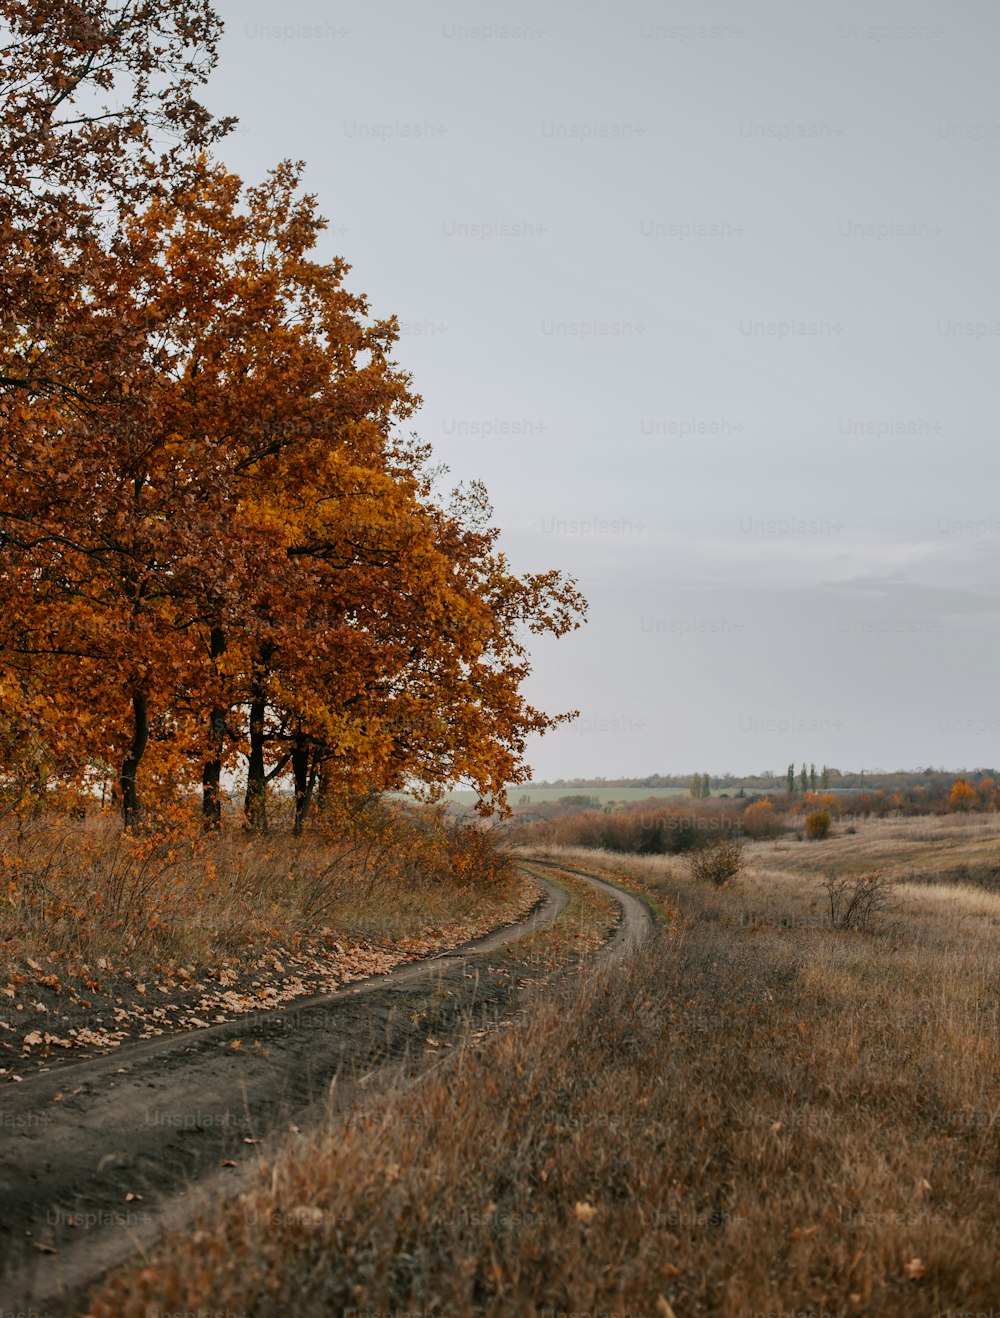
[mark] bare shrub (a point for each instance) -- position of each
(718, 861)
(856, 900)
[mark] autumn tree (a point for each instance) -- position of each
(239, 531)
(988, 792)
(378, 629)
(212, 540)
(963, 795)
(97, 113)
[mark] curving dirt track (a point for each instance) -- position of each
(99, 1158)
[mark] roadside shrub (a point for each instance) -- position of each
(817, 825)
(761, 820)
(856, 900)
(718, 861)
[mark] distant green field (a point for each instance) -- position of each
(540, 795)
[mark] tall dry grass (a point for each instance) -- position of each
(761, 1114)
(82, 889)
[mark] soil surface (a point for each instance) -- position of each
(99, 1157)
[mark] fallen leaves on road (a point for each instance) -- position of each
(193, 999)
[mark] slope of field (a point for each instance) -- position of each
(758, 1113)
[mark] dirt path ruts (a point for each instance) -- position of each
(99, 1158)
(636, 923)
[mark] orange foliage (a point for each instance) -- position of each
(963, 796)
(820, 801)
(213, 542)
(761, 820)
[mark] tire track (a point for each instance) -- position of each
(133, 1144)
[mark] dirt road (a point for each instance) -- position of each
(98, 1158)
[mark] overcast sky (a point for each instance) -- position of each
(708, 296)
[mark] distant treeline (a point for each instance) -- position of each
(864, 780)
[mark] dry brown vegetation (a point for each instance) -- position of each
(761, 1113)
(656, 827)
(718, 861)
(649, 828)
(82, 891)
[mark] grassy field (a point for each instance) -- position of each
(921, 848)
(603, 795)
(760, 1114)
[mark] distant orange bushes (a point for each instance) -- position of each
(656, 827)
(648, 828)
(761, 820)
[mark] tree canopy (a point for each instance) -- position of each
(218, 545)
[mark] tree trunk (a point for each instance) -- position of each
(255, 804)
(304, 771)
(130, 765)
(323, 793)
(211, 796)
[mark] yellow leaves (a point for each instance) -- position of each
(36, 1038)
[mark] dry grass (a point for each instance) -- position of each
(586, 920)
(760, 1114)
(931, 846)
(83, 891)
